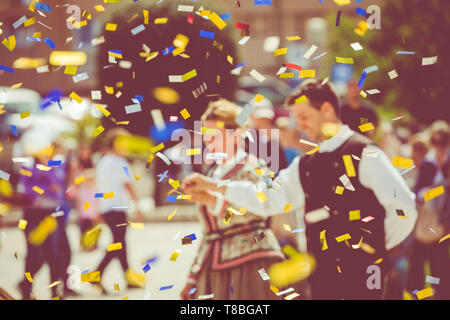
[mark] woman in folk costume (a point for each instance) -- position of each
(236, 243)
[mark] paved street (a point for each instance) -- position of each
(157, 239)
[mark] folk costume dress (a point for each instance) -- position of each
(235, 247)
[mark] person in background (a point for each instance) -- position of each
(433, 222)
(354, 112)
(112, 179)
(233, 247)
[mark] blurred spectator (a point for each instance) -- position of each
(354, 112)
(433, 222)
(112, 178)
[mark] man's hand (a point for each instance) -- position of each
(196, 183)
(203, 197)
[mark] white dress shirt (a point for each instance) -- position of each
(375, 172)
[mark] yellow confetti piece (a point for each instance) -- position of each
(192, 152)
(175, 255)
(174, 183)
(72, 70)
(378, 261)
(111, 27)
(115, 55)
(407, 295)
(287, 207)
(291, 296)
(150, 158)
(354, 215)
(261, 197)
(444, 238)
(114, 246)
(258, 97)
(287, 227)
(79, 179)
(145, 14)
(286, 75)
(300, 100)
(357, 246)
(160, 20)
(402, 162)
(125, 298)
(75, 97)
(313, 150)
(80, 24)
(433, 193)
(349, 166)
(53, 284)
(339, 190)
(38, 190)
(22, 224)
(293, 38)
(10, 42)
(157, 148)
(28, 276)
(297, 268)
(37, 35)
(116, 287)
(323, 240)
(137, 177)
(93, 276)
(86, 206)
(42, 231)
(108, 195)
(311, 73)
(97, 131)
(185, 114)
(136, 225)
(218, 22)
(26, 172)
(366, 127)
(274, 289)
(363, 94)
(123, 122)
(25, 114)
(343, 237)
(99, 8)
(361, 28)
(344, 60)
(367, 248)
(184, 196)
(189, 75)
(29, 22)
(103, 110)
(425, 293)
(41, 167)
(339, 269)
(171, 215)
(205, 13)
(280, 52)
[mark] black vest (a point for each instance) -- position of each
(319, 176)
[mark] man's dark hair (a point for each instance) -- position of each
(317, 93)
(440, 138)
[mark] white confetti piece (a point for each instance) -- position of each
(244, 40)
(19, 22)
(133, 108)
(263, 274)
(373, 91)
(257, 76)
(4, 175)
(310, 52)
(356, 46)
(429, 61)
(42, 69)
(183, 8)
(138, 29)
(80, 77)
(393, 74)
(285, 291)
(96, 95)
(433, 280)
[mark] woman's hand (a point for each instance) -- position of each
(185, 292)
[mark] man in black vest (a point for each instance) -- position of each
(357, 206)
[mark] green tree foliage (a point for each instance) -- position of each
(406, 25)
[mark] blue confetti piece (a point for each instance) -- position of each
(298, 230)
(171, 198)
(14, 130)
(51, 97)
(7, 69)
(405, 52)
(192, 291)
(225, 16)
(338, 18)
(263, 2)
(54, 163)
(98, 195)
(146, 268)
(231, 287)
(242, 64)
(362, 79)
(371, 69)
(151, 260)
(119, 52)
(192, 236)
(319, 56)
(361, 11)
(207, 34)
(139, 98)
(415, 291)
(34, 39)
(126, 171)
(42, 6)
(164, 135)
(85, 271)
(50, 43)
(358, 1)
(168, 50)
(166, 287)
